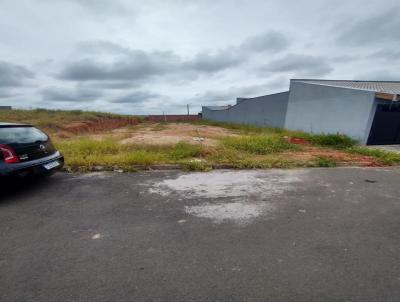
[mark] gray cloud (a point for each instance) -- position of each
(102, 47)
(12, 75)
(57, 94)
(112, 85)
(212, 62)
(126, 64)
(138, 65)
(382, 28)
(224, 96)
(271, 41)
(180, 47)
(379, 75)
(104, 8)
(387, 54)
(4, 94)
(137, 97)
(301, 64)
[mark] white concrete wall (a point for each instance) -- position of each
(269, 110)
(323, 109)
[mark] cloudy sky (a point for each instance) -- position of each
(152, 56)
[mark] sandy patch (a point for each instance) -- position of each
(230, 196)
(238, 212)
(93, 175)
(220, 184)
(169, 134)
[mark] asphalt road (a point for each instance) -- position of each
(297, 235)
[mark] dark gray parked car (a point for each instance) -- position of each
(26, 150)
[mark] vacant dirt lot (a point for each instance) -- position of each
(168, 134)
(201, 146)
(94, 140)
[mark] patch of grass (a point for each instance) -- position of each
(184, 150)
(89, 152)
(84, 147)
(258, 144)
(195, 166)
(86, 152)
(141, 157)
(244, 160)
(256, 147)
(53, 118)
(338, 141)
(322, 161)
(385, 157)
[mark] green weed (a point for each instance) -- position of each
(339, 141)
(185, 150)
(327, 162)
(258, 144)
(386, 157)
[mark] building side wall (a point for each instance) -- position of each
(323, 109)
(267, 110)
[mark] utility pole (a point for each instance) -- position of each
(187, 109)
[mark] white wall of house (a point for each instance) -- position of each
(323, 109)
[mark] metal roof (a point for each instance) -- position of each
(392, 87)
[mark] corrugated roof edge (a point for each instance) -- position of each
(217, 108)
(310, 82)
(356, 81)
(261, 96)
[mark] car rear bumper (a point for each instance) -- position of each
(35, 167)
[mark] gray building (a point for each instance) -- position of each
(268, 110)
(367, 111)
(5, 108)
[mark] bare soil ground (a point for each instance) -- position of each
(168, 134)
(344, 158)
(152, 134)
(81, 127)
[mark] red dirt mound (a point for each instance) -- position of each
(298, 141)
(99, 125)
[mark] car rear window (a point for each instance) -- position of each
(21, 135)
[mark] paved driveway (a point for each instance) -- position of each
(294, 235)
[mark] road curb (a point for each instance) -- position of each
(133, 168)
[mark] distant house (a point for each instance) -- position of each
(367, 111)
(5, 108)
(268, 110)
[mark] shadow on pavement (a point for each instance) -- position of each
(13, 188)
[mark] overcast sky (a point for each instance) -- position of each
(152, 56)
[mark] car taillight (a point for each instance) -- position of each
(9, 155)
